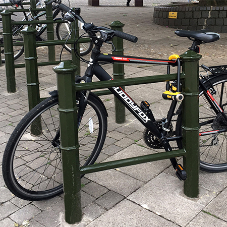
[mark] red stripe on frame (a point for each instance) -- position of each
(138, 59)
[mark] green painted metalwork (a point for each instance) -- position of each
(124, 82)
(50, 31)
(69, 141)
(33, 6)
(8, 51)
(131, 161)
(0, 57)
(118, 70)
(75, 36)
(190, 122)
(31, 66)
(32, 75)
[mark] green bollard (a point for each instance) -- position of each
(32, 74)
(8, 51)
(118, 70)
(69, 141)
(190, 121)
(50, 31)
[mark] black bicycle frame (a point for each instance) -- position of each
(102, 75)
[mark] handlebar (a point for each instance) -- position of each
(72, 15)
(126, 36)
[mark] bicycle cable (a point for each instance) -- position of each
(76, 51)
(65, 44)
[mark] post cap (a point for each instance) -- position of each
(28, 29)
(65, 66)
(6, 12)
(116, 24)
(190, 56)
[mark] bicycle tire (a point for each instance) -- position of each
(17, 37)
(213, 147)
(32, 164)
(63, 31)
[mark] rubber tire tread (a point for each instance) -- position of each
(10, 180)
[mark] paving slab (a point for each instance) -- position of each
(215, 208)
(26, 213)
(116, 181)
(143, 195)
(204, 219)
(127, 214)
(109, 200)
(143, 172)
(164, 196)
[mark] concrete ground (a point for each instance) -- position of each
(144, 195)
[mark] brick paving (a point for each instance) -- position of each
(148, 194)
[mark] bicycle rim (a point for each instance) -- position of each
(63, 31)
(32, 167)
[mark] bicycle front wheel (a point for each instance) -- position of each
(32, 167)
(213, 146)
(63, 32)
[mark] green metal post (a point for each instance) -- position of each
(31, 66)
(69, 141)
(8, 51)
(33, 6)
(32, 74)
(75, 36)
(0, 57)
(190, 122)
(118, 70)
(50, 31)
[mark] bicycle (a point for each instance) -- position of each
(32, 163)
(63, 30)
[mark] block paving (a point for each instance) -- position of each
(148, 194)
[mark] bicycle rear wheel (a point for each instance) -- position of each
(213, 147)
(32, 167)
(63, 31)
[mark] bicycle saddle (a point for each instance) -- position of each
(202, 36)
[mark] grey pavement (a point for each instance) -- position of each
(148, 194)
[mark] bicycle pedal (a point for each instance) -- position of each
(180, 172)
(144, 105)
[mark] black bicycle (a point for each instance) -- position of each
(32, 163)
(63, 30)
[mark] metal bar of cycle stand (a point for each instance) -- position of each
(75, 36)
(190, 121)
(50, 31)
(32, 75)
(69, 141)
(118, 70)
(126, 82)
(8, 51)
(131, 161)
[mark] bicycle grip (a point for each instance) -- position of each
(64, 8)
(126, 36)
